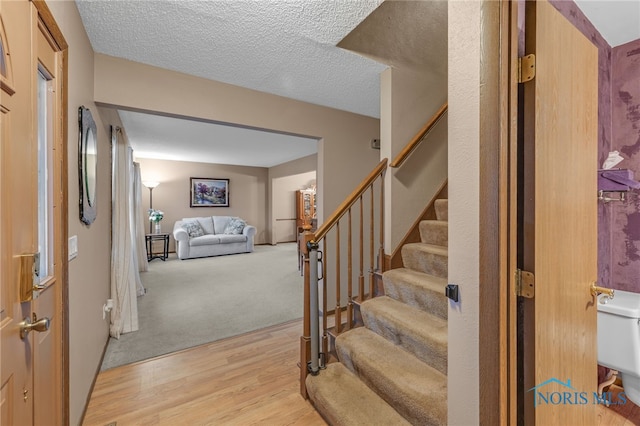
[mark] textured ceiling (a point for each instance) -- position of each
(283, 47)
(287, 48)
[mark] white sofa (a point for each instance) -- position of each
(212, 236)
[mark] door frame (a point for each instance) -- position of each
(498, 212)
(46, 18)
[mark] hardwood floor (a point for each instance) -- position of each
(244, 380)
(626, 414)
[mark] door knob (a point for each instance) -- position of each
(40, 325)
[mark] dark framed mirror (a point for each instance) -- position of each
(87, 164)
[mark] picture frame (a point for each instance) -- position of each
(209, 192)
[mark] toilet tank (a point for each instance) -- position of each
(619, 332)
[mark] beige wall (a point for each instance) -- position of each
(344, 155)
(89, 273)
(464, 244)
(284, 180)
(247, 192)
(408, 99)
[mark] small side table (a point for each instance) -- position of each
(150, 238)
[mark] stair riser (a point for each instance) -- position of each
(442, 209)
(434, 232)
(423, 261)
(424, 348)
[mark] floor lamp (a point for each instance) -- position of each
(150, 185)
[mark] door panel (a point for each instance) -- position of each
(16, 204)
(561, 224)
(30, 365)
(47, 345)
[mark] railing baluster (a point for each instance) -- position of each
(361, 249)
(311, 360)
(371, 246)
(349, 276)
(338, 309)
(381, 263)
(325, 329)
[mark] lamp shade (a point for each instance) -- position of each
(150, 184)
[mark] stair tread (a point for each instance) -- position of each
(436, 222)
(410, 317)
(428, 258)
(417, 289)
(431, 248)
(343, 399)
(421, 279)
(414, 388)
(434, 232)
(423, 334)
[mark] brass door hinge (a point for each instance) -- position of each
(525, 284)
(526, 68)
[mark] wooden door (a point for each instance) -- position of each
(47, 353)
(560, 223)
(31, 218)
(17, 229)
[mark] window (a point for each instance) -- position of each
(45, 205)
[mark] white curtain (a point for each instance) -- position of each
(141, 225)
(125, 278)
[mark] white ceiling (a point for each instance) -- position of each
(164, 138)
(617, 21)
(283, 47)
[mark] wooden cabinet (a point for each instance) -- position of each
(305, 209)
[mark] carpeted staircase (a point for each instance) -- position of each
(393, 370)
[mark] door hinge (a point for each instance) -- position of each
(525, 284)
(526, 68)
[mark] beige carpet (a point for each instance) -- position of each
(393, 370)
(197, 301)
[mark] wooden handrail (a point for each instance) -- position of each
(413, 143)
(349, 201)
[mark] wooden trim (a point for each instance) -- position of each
(46, 18)
(413, 143)
(394, 260)
(511, 403)
(49, 21)
(494, 184)
(350, 200)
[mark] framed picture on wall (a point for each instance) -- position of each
(209, 192)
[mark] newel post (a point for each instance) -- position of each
(305, 339)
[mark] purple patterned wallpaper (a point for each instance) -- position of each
(625, 106)
(605, 215)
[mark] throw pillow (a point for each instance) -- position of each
(235, 226)
(193, 229)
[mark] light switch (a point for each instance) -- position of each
(73, 247)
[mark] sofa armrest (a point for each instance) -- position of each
(179, 233)
(249, 231)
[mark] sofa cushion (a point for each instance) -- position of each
(205, 222)
(220, 223)
(232, 238)
(234, 226)
(193, 228)
(204, 240)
